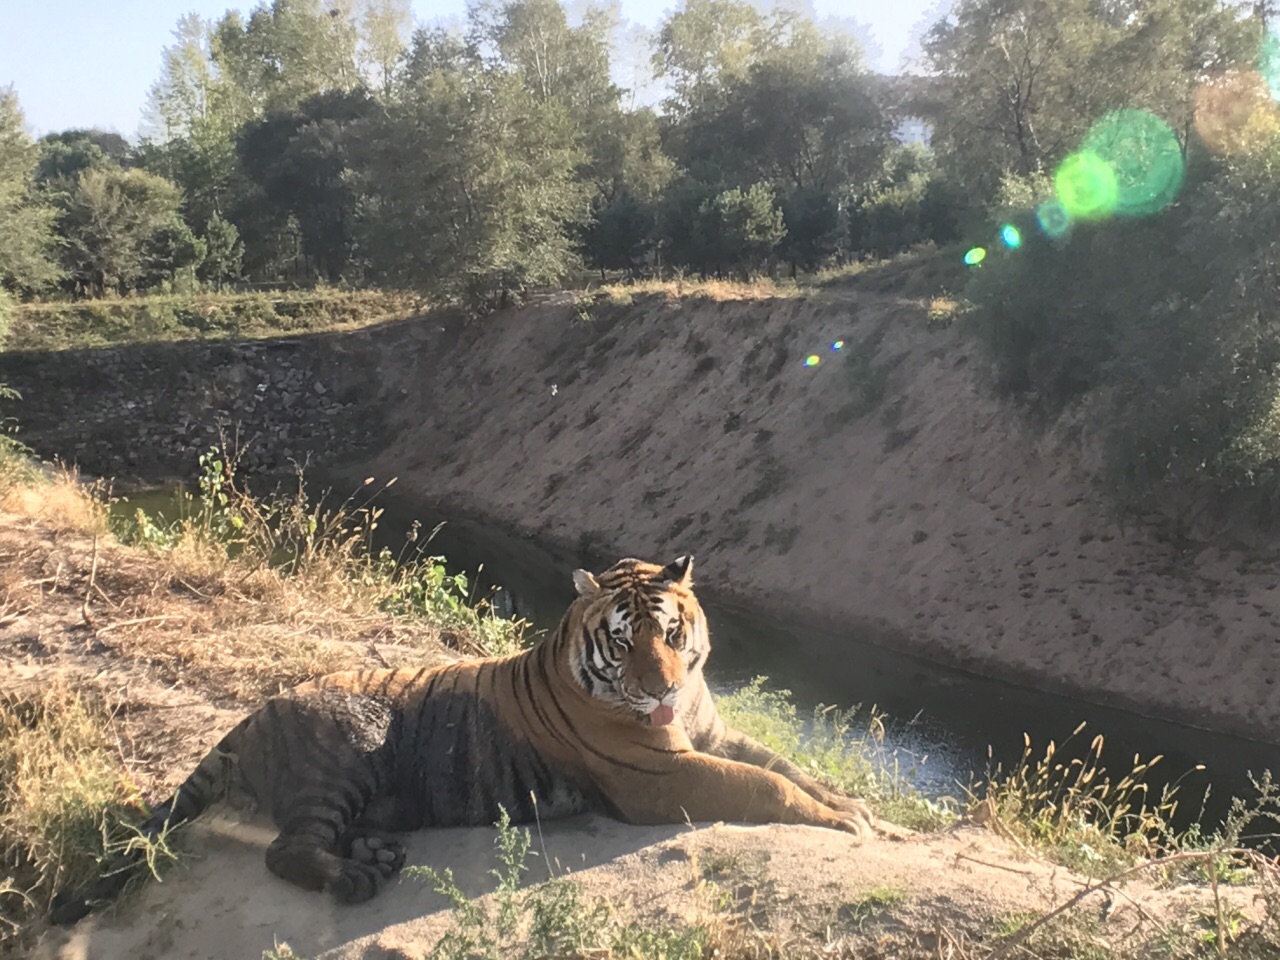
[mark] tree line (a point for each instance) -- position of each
(325, 141)
(331, 142)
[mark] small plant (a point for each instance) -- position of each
(295, 537)
(63, 792)
(871, 904)
(1075, 811)
(547, 920)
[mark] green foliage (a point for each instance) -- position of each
(114, 221)
(908, 203)
(223, 253)
(1025, 79)
(1161, 331)
(455, 220)
(27, 238)
(304, 164)
(547, 920)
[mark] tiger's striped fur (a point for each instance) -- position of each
(610, 714)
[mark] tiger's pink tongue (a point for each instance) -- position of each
(662, 715)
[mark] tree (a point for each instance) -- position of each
(470, 185)
(1026, 78)
(303, 161)
(288, 51)
(384, 30)
(743, 227)
(701, 46)
(111, 221)
(63, 156)
(223, 254)
(801, 116)
(811, 217)
(26, 240)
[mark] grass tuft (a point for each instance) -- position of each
(64, 790)
(1074, 811)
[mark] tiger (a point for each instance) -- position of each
(609, 714)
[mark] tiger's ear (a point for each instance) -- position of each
(585, 584)
(680, 571)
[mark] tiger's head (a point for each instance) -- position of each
(642, 636)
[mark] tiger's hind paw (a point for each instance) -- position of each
(374, 848)
(357, 882)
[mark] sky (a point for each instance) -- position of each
(90, 63)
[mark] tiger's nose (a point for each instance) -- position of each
(668, 689)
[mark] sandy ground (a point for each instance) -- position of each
(802, 886)
(882, 487)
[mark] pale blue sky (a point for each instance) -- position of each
(89, 63)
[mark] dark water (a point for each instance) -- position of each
(942, 724)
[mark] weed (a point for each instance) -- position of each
(1073, 810)
(64, 790)
(326, 548)
(547, 920)
(871, 904)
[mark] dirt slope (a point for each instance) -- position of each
(882, 486)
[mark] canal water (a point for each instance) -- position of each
(943, 726)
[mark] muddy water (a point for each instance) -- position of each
(943, 726)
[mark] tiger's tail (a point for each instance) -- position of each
(207, 783)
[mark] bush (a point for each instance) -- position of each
(1161, 331)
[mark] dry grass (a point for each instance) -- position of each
(64, 787)
(57, 325)
(237, 600)
(1075, 812)
(719, 291)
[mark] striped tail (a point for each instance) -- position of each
(207, 783)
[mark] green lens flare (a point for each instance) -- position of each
(975, 256)
(1086, 186)
(1269, 62)
(812, 360)
(1052, 218)
(1145, 159)
(1011, 236)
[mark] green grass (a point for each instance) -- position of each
(550, 919)
(61, 325)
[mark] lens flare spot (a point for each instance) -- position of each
(1234, 112)
(1145, 159)
(838, 345)
(1086, 186)
(812, 360)
(975, 256)
(1052, 218)
(1011, 236)
(1269, 62)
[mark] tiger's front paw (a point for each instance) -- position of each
(854, 815)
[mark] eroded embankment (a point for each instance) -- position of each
(881, 489)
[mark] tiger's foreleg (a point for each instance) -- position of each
(738, 746)
(700, 787)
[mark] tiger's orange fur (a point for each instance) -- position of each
(610, 714)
